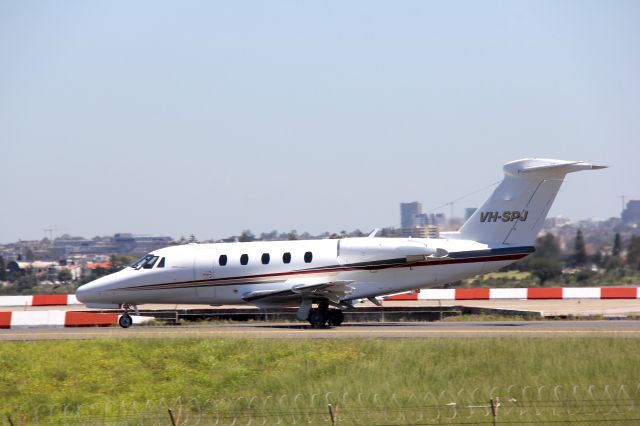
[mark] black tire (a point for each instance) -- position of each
(336, 317)
(125, 321)
(317, 318)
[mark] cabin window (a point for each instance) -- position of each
(142, 261)
(286, 258)
(244, 259)
(222, 260)
(149, 263)
(265, 258)
(161, 263)
(308, 257)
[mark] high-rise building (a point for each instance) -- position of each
(632, 213)
(416, 224)
(408, 213)
(421, 219)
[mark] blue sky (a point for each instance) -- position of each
(213, 117)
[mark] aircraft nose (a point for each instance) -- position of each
(88, 293)
(84, 292)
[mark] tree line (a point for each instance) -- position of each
(548, 261)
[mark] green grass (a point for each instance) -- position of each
(507, 275)
(80, 373)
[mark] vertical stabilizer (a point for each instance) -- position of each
(515, 212)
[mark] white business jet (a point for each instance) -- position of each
(321, 277)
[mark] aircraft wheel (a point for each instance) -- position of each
(336, 317)
(125, 321)
(317, 318)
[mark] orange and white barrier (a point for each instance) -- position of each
(24, 319)
(520, 293)
(40, 300)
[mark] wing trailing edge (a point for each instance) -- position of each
(331, 290)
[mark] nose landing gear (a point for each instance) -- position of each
(125, 320)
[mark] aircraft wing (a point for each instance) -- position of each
(331, 290)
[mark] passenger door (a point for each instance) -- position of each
(205, 273)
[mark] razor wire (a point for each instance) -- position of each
(522, 404)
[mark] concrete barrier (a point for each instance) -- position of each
(549, 293)
(39, 300)
(54, 318)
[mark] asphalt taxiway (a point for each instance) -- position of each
(482, 329)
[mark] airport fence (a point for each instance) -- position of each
(545, 404)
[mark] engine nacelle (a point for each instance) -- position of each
(358, 250)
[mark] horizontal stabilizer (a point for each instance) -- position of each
(513, 215)
(549, 168)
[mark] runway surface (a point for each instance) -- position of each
(524, 329)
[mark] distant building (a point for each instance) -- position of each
(122, 243)
(556, 222)
(631, 214)
(40, 269)
(429, 231)
(468, 212)
(147, 243)
(408, 213)
(415, 223)
(438, 219)
(89, 267)
(411, 216)
(66, 246)
(422, 219)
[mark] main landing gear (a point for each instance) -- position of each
(125, 320)
(322, 315)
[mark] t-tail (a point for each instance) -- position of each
(515, 212)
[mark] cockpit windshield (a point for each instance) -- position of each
(145, 262)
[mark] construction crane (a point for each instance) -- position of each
(51, 231)
(622, 197)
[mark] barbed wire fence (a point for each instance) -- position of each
(543, 404)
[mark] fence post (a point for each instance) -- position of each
(173, 421)
(333, 414)
(494, 410)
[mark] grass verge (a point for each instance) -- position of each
(80, 373)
